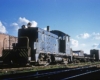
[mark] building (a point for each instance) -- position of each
(6, 42)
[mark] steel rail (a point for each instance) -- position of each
(80, 75)
(48, 73)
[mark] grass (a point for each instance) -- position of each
(37, 68)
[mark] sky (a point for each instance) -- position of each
(78, 18)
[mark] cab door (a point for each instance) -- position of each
(62, 44)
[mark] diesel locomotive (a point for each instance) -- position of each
(36, 45)
(39, 46)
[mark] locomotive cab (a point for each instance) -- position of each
(63, 46)
(64, 41)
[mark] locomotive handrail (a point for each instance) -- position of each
(27, 40)
(36, 43)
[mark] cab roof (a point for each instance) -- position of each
(57, 32)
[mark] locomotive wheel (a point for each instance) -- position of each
(65, 61)
(45, 61)
(74, 60)
(69, 61)
(41, 62)
(49, 60)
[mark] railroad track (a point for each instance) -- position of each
(54, 74)
(14, 70)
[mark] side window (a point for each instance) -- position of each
(67, 38)
(35, 45)
(64, 37)
(60, 37)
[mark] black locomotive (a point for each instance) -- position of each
(36, 45)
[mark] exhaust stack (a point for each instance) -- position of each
(48, 28)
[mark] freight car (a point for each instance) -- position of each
(95, 54)
(80, 56)
(39, 46)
